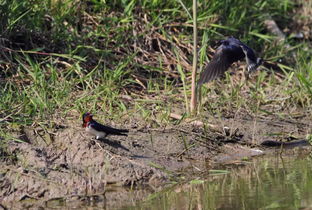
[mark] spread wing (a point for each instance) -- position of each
(107, 129)
(230, 51)
(217, 66)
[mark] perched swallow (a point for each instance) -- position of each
(230, 51)
(99, 130)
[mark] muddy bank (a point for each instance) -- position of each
(71, 163)
(66, 164)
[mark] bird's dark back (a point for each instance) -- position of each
(108, 129)
(231, 48)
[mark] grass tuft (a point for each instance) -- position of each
(130, 58)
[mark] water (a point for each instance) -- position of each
(270, 182)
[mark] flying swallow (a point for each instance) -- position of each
(230, 51)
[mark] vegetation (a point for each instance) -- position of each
(133, 58)
(130, 62)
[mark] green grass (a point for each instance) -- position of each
(96, 52)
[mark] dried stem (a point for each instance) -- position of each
(193, 104)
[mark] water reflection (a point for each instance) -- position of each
(274, 182)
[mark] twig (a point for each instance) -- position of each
(197, 123)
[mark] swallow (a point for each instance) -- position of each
(230, 51)
(99, 130)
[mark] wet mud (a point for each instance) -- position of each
(68, 165)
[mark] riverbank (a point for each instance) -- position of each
(129, 63)
(72, 164)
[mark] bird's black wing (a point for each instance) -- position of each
(218, 65)
(108, 130)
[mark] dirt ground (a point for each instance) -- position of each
(69, 166)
